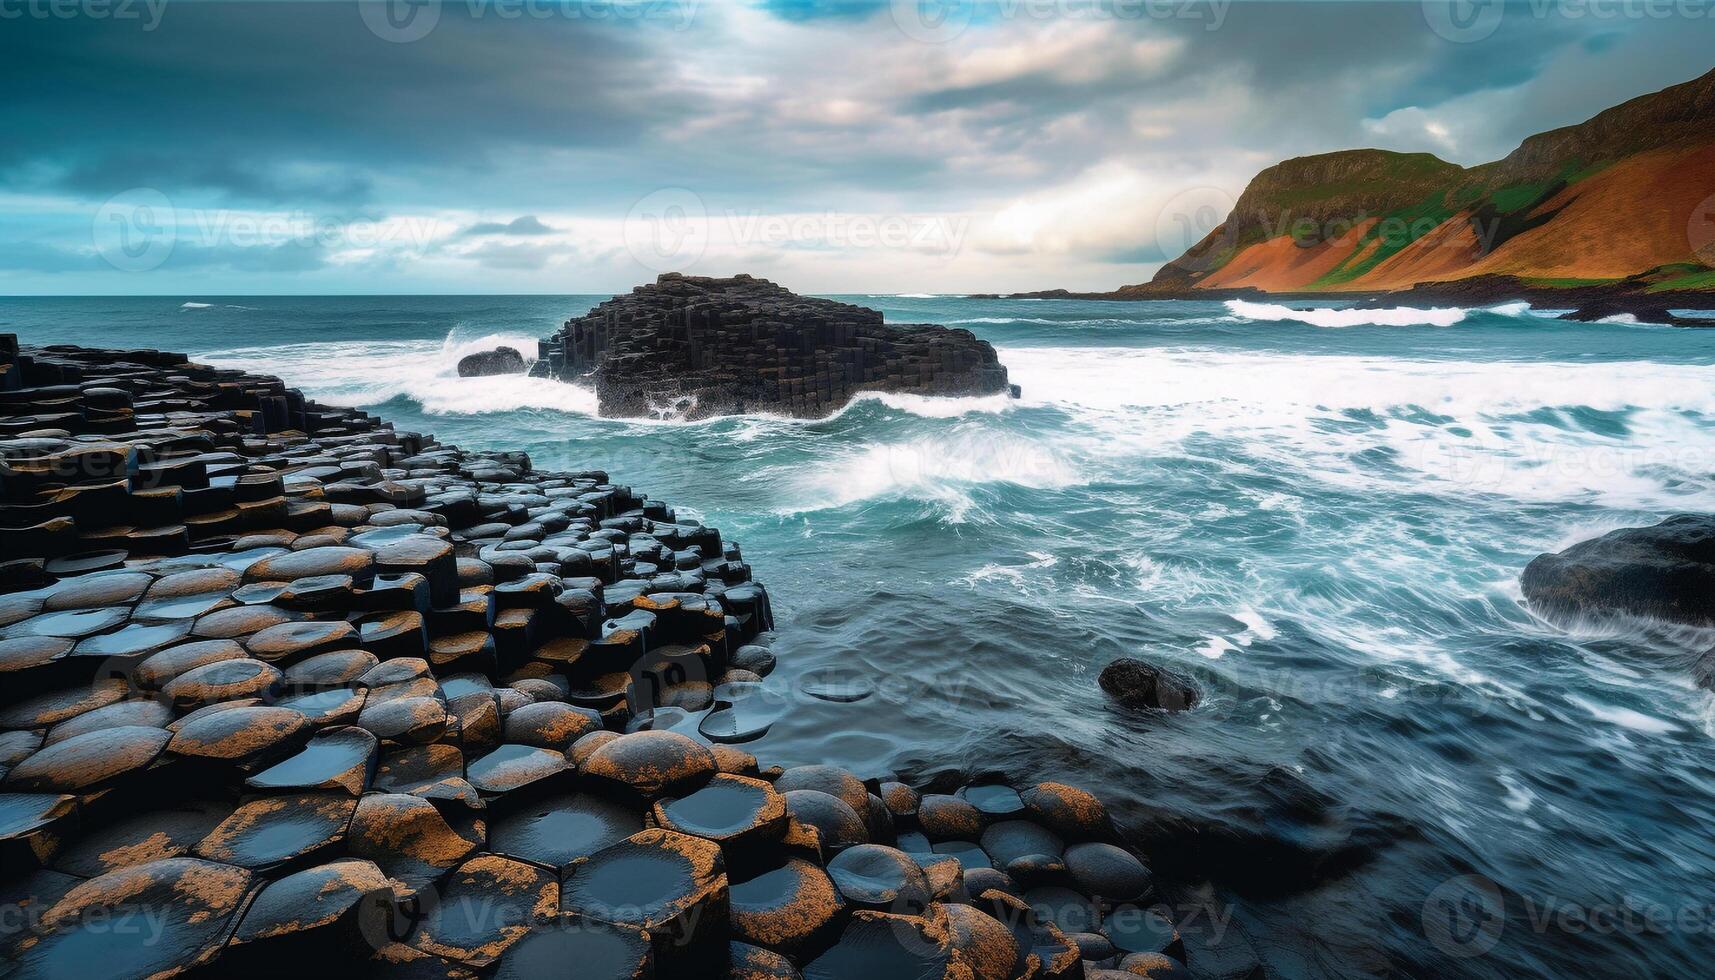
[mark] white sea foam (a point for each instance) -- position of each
(195, 306)
(1403, 316)
(939, 468)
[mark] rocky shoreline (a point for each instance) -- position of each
(285, 690)
(1585, 303)
(694, 346)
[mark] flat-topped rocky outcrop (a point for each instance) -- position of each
(285, 691)
(694, 347)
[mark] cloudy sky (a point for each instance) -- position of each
(182, 147)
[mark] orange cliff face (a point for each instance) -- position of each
(1628, 193)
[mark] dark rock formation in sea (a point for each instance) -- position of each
(1136, 684)
(694, 347)
(482, 364)
(292, 692)
(1664, 572)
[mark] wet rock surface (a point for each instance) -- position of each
(1666, 572)
(501, 360)
(694, 347)
(365, 712)
(1136, 684)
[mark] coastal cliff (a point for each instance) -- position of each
(1616, 211)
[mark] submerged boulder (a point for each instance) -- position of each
(1136, 684)
(501, 360)
(695, 347)
(1664, 572)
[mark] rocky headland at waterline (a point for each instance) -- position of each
(694, 346)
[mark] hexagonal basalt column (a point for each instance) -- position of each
(670, 885)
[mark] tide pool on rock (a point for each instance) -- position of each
(1322, 528)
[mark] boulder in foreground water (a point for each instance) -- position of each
(1136, 684)
(483, 364)
(1664, 572)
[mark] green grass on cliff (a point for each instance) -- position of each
(1394, 232)
(1704, 278)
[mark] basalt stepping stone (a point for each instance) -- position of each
(757, 659)
(651, 765)
(239, 622)
(831, 780)
(1154, 966)
(133, 642)
(84, 762)
(141, 837)
(334, 706)
(542, 688)
(288, 643)
(1025, 851)
(148, 714)
(586, 746)
(735, 761)
(872, 876)
(787, 908)
(188, 904)
(95, 591)
(15, 747)
(462, 651)
(551, 724)
(275, 830)
(987, 946)
(660, 720)
(1068, 811)
(513, 767)
(409, 720)
(1135, 929)
(410, 839)
(401, 633)
(1093, 946)
(73, 624)
(979, 880)
(29, 652)
(161, 667)
(336, 668)
(948, 818)
(85, 562)
(328, 916)
(600, 949)
(242, 735)
(734, 811)
(358, 563)
(881, 944)
(17, 608)
(55, 706)
(485, 906)
(993, 800)
(970, 855)
(341, 758)
(210, 709)
(755, 963)
(418, 767)
(185, 595)
(425, 555)
(226, 680)
(32, 829)
(912, 842)
(600, 692)
(1108, 872)
(399, 671)
(670, 885)
(258, 593)
(837, 823)
(475, 720)
(560, 829)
